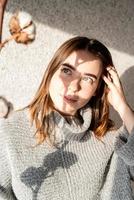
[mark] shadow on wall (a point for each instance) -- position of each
(127, 80)
(112, 22)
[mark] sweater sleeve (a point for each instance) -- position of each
(6, 192)
(124, 146)
(118, 182)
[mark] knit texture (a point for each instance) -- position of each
(78, 167)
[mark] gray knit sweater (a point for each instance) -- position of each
(78, 167)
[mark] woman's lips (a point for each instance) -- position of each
(70, 99)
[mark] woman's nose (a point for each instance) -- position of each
(74, 86)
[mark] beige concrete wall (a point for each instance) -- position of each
(110, 21)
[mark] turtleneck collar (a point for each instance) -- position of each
(73, 130)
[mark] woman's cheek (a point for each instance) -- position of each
(87, 93)
(63, 81)
(62, 85)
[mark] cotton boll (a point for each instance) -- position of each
(31, 36)
(24, 19)
(27, 33)
(30, 30)
(22, 28)
(22, 37)
(14, 26)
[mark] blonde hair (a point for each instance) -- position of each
(41, 106)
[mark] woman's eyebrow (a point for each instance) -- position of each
(92, 75)
(69, 66)
(74, 69)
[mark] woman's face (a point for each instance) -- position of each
(75, 82)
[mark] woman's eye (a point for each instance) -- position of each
(66, 71)
(88, 79)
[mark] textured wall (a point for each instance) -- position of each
(110, 21)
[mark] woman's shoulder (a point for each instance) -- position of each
(17, 117)
(112, 136)
(116, 137)
(19, 114)
(18, 123)
(117, 132)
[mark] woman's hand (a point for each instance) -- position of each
(117, 98)
(115, 94)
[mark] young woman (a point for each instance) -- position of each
(63, 145)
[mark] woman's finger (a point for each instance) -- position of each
(108, 82)
(114, 76)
